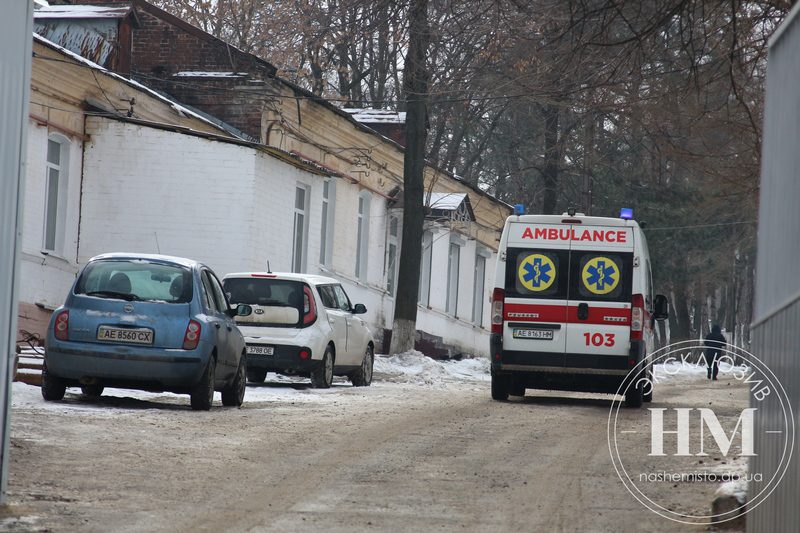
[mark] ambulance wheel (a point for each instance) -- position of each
(647, 394)
(516, 388)
(634, 396)
(499, 388)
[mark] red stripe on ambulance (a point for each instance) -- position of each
(613, 316)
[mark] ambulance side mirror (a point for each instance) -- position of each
(661, 307)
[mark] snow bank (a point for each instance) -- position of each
(414, 367)
(679, 370)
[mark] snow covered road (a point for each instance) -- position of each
(424, 448)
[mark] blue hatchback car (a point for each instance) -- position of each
(149, 322)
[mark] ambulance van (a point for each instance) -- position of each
(573, 307)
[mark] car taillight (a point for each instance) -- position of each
(309, 306)
(637, 316)
(498, 295)
(61, 327)
(192, 335)
(305, 353)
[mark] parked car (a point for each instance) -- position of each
(149, 322)
(301, 325)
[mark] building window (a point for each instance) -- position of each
(425, 269)
(391, 255)
(453, 258)
(300, 237)
(328, 210)
(477, 297)
(362, 239)
(55, 195)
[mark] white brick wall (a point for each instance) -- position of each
(148, 190)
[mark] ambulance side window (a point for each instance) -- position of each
(537, 273)
(601, 276)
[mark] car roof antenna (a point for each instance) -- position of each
(269, 270)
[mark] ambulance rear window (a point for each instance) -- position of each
(537, 273)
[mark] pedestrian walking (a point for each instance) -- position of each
(714, 343)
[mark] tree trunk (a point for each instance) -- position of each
(415, 80)
(552, 155)
(681, 329)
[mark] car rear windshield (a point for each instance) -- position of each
(136, 279)
(267, 293)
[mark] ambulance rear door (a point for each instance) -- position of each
(536, 290)
(599, 305)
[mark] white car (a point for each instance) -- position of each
(301, 325)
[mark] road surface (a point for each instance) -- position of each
(391, 457)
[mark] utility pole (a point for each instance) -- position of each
(415, 84)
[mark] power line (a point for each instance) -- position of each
(741, 222)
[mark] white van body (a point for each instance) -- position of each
(572, 305)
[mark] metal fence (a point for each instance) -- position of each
(776, 326)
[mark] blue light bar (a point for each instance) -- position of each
(519, 209)
(626, 213)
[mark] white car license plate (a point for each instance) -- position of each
(544, 334)
(260, 350)
(131, 335)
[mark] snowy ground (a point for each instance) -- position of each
(406, 368)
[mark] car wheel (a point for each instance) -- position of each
(363, 376)
(233, 395)
(499, 388)
(256, 375)
(53, 388)
(322, 376)
(202, 395)
(93, 391)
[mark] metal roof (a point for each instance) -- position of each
(82, 12)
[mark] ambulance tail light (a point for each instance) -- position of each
(637, 317)
(498, 295)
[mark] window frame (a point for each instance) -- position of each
(451, 302)
(392, 254)
(55, 213)
(327, 219)
(362, 235)
(299, 264)
(425, 269)
(478, 289)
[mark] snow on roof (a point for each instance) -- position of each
(147, 257)
(375, 116)
(81, 12)
(176, 106)
(446, 201)
(195, 74)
